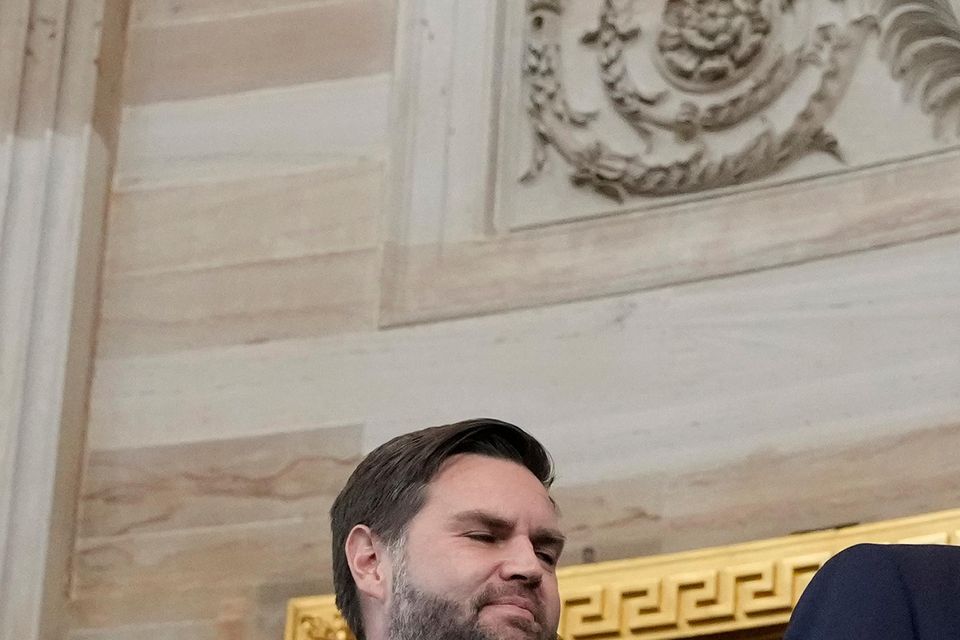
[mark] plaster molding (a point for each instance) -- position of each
(55, 165)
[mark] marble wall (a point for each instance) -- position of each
(295, 271)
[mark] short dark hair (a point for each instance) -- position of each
(388, 487)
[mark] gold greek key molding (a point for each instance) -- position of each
(315, 618)
(683, 595)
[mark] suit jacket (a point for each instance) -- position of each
(882, 592)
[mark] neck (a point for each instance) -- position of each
(375, 628)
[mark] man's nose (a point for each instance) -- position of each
(520, 562)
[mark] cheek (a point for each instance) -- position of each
(451, 572)
(552, 601)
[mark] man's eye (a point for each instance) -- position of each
(481, 536)
(547, 558)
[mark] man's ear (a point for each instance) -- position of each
(369, 562)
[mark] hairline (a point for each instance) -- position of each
(424, 496)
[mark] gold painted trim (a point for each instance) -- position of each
(315, 618)
(682, 595)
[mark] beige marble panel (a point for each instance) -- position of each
(151, 12)
(291, 550)
(244, 628)
(766, 494)
(203, 630)
(159, 606)
(143, 607)
(287, 46)
(178, 537)
(269, 218)
(254, 134)
(846, 348)
(212, 483)
(239, 303)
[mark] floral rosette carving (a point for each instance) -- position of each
(706, 44)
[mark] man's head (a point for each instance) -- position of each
(451, 525)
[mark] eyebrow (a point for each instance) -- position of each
(545, 536)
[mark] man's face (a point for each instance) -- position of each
(483, 549)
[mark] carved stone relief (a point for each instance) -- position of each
(553, 150)
(705, 45)
(685, 96)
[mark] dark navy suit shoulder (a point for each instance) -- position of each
(882, 592)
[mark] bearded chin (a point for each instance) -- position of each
(416, 615)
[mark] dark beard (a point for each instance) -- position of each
(417, 615)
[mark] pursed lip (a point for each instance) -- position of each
(520, 602)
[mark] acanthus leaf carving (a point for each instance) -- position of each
(920, 39)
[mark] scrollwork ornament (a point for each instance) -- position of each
(688, 121)
(313, 627)
(706, 45)
(547, 105)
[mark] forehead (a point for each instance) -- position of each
(504, 487)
